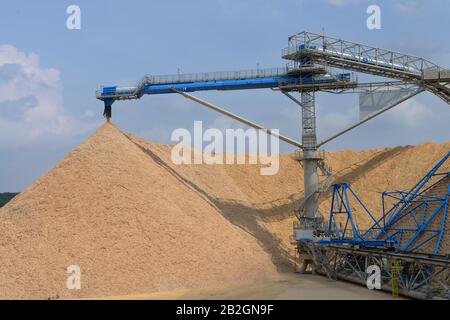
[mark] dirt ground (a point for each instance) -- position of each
(289, 287)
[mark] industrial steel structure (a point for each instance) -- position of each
(316, 63)
(406, 238)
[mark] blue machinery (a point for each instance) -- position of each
(405, 241)
(408, 235)
(414, 223)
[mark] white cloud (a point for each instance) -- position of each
(342, 3)
(253, 9)
(89, 114)
(223, 122)
(407, 6)
(45, 116)
(411, 113)
(334, 121)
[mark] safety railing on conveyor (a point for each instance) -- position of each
(356, 54)
(215, 76)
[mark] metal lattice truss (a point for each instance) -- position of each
(419, 214)
(417, 220)
(367, 59)
(415, 223)
(405, 242)
(354, 56)
(412, 275)
(342, 225)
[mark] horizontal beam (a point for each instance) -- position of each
(283, 81)
(215, 76)
(442, 261)
(238, 118)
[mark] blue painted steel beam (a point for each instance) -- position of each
(415, 190)
(259, 83)
(414, 204)
(423, 228)
(444, 220)
(111, 93)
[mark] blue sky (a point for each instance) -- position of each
(49, 74)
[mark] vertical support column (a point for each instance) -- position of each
(309, 141)
(309, 214)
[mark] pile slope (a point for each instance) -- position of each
(263, 205)
(130, 224)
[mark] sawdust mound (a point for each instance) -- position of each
(135, 222)
(130, 222)
(263, 205)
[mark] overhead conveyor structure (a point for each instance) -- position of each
(316, 63)
(357, 57)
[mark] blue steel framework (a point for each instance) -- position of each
(417, 208)
(343, 197)
(342, 250)
(227, 80)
